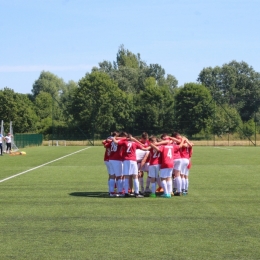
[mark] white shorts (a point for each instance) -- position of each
(130, 167)
(154, 171)
(145, 167)
(109, 168)
(187, 172)
(184, 166)
(166, 173)
(116, 167)
(140, 154)
(177, 164)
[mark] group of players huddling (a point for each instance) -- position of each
(167, 161)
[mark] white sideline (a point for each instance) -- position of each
(223, 148)
(18, 174)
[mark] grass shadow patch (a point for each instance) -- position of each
(96, 194)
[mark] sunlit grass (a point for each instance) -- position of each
(61, 210)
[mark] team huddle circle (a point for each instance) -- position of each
(164, 161)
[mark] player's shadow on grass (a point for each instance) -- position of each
(97, 194)
(90, 194)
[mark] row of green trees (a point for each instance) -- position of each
(135, 96)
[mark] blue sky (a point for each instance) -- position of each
(69, 37)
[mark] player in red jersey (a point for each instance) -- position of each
(167, 163)
(111, 175)
(116, 161)
(154, 166)
(186, 153)
(164, 139)
(130, 167)
(142, 157)
(145, 141)
(179, 163)
(166, 152)
(177, 167)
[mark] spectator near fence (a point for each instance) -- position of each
(1, 144)
(8, 140)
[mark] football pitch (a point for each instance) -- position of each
(54, 205)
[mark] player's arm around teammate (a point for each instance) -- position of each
(154, 166)
(177, 167)
(142, 156)
(130, 163)
(188, 155)
(115, 160)
(111, 175)
(166, 153)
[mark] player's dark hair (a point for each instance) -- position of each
(163, 135)
(115, 133)
(152, 138)
(145, 135)
(175, 134)
(123, 134)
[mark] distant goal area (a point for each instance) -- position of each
(57, 143)
(63, 142)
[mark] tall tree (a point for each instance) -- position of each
(44, 110)
(171, 82)
(66, 99)
(98, 104)
(55, 87)
(126, 58)
(236, 84)
(50, 83)
(154, 108)
(156, 71)
(131, 72)
(147, 104)
(193, 108)
(18, 109)
(127, 79)
(226, 119)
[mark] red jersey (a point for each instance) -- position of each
(177, 153)
(185, 152)
(129, 149)
(115, 152)
(107, 152)
(154, 157)
(167, 153)
(145, 142)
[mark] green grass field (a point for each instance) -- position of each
(60, 210)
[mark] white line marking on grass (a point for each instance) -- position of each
(18, 174)
(224, 148)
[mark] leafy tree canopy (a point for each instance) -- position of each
(226, 119)
(50, 83)
(131, 72)
(18, 109)
(235, 83)
(96, 102)
(193, 108)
